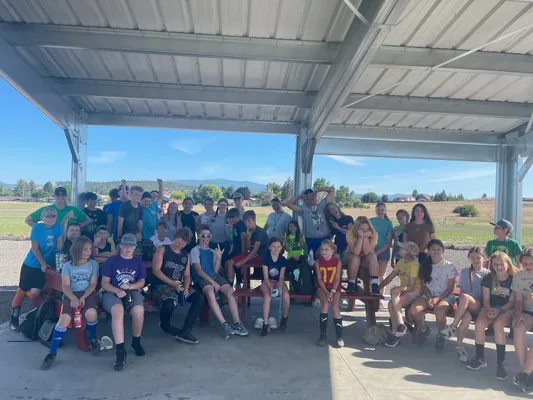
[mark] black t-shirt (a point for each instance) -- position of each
(498, 296)
(340, 237)
(273, 267)
(235, 236)
(259, 235)
(174, 265)
(187, 221)
(105, 249)
(67, 244)
(98, 218)
(132, 216)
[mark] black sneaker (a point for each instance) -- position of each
(283, 324)
(375, 290)
(439, 344)
(187, 337)
(352, 287)
(94, 345)
(501, 372)
(521, 379)
(264, 331)
(139, 351)
(476, 364)
(14, 324)
(392, 341)
(402, 330)
(48, 360)
(322, 340)
(120, 363)
(423, 336)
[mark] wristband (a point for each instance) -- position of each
(333, 290)
(500, 309)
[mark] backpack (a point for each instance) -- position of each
(376, 335)
(305, 284)
(35, 319)
(46, 331)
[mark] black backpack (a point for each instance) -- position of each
(305, 284)
(37, 317)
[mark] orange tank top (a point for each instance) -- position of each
(328, 269)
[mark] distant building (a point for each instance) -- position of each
(423, 197)
(11, 198)
(404, 199)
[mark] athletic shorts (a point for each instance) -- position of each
(314, 244)
(31, 278)
(384, 255)
(450, 299)
(410, 296)
(257, 260)
(217, 278)
(90, 302)
(110, 299)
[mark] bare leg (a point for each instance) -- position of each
(382, 268)
(230, 269)
(354, 263)
(64, 320)
(336, 305)
(286, 298)
(266, 302)
(324, 303)
(466, 302)
(137, 320)
(90, 315)
(209, 293)
(501, 322)
(117, 323)
(232, 303)
(482, 322)
(463, 328)
(372, 264)
(417, 312)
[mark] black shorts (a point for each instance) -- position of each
(31, 278)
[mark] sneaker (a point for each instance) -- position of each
(392, 341)
(462, 353)
(448, 331)
(501, 372)
(521, 379)
(382, 305)
(239, 329)
(264, 331)
(139, 351)
(423, 337)
(273, 323)
(476, 364)
(322, 340)
(94, 345)
(14, 324)
(340, 343)
(352, 287)
(283, 324)
(226, 330)
(48, 360)
(439, 344)
(258, 324)
(187, 337)
(375, 290)
(120, 363)
(401, 331)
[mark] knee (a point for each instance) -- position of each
(64, 320)
(117, 311)
(91, 315)
(137, 311)
(520, 331)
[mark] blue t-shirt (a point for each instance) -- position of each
(47, 238)
(149, 220)
(113, 209)
(383, 227)
(206, 258)
(123, 271)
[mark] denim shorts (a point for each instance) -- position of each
(384, 255)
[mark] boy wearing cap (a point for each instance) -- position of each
(62, 209)
(97, 216)
(238, 199)
(278, 221)
(130, 218)
(45, 238)
(123, 277)
(502, 230)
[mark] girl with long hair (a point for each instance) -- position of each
(339, 225)
(420, 230)
(384, 228)
(219, 229)
(173, 219)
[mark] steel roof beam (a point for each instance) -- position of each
(479, 62)
(174, 44)
(192, 123)
(428, 151)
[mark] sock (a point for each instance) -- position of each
(119, 346)
(374, 280)
(500, 351)
(480, 351)
(136, 342)
(238, 276)
(338, 327)
(57, 338)
(400, 321)
(15, 312)
(91, 329)
(351, 280)
(18, 299)
(323, 324)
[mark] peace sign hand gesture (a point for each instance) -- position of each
(218, 252)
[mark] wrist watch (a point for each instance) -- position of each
(333, 290)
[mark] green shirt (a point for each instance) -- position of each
(294, 248)
(508, 246)
(79, 216)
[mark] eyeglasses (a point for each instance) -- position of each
(205, 236)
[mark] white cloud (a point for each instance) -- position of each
(421, 171)
(464, 175)
(107, 157)
(209, 170)
(192, 146)
(347, 160)
(266, 175)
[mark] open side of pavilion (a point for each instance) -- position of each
(353, 78)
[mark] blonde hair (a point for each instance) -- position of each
(503, 257)
(329, 242)
(357, 225)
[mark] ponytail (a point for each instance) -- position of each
(425, 270)
(470, 275)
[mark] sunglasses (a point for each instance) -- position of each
(205, 236)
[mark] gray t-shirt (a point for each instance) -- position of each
(315, 224)
(277, 224)
(219, 228)
(80, 275)
(473, 288)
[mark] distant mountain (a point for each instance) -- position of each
(254, 187)
(9, 185)
(390, 196)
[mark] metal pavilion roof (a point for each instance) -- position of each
(275, 66)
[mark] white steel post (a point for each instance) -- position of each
(302, 180)
(76, 135)
(508, 190)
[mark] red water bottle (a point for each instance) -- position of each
(77, 318)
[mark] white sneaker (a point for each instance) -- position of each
(448, 331)
(382, 305)
(273, 323)
(462, 353)
(258, 324)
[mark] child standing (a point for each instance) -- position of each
(497, 309)
(45, 238)
(97, 216)
(397, 233)
(209, 205)
(79, 280)
(503, 243)
(328, 270)
(420, 230)
(219, 229)
(130, 218)
(173, 219)
(383, 227)
(188, 219)
(469, 303)
(404, 295)
(151, 208)
(437, 276)
(274, 266)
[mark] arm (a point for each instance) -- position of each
(292, 203)
(386, 245)
(266, 226)
(187, 277)
(86, 221)
(123, 195)
(138, 285)
(319, 279)
(367, 249)
(157, 262)
(303, 243)
(109, 222)
(38, 255)
(218, 262)
(356, 247)
(250, 255)
(485, 291)
(244, 242)
(29, 220)
(393, 252)
(404, 237)
(388, 279)
(329, 190)
(67, 291)
(160, 196)
(202, 274)
(433, 236)
(108, 287)
(90, 289)
(119, 226)
(518, 264)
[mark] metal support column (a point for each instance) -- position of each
(508, 190)
(76, 135)
(302, 180)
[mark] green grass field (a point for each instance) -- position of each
(457, 230)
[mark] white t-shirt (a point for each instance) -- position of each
(439, 277)
(158, 243)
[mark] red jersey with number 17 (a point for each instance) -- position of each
(328, 270)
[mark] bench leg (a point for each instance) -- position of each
(352, 305)
(82, 342)
(204, 313)
(370, 308)
(243, 308)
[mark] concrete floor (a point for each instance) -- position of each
(284, 366)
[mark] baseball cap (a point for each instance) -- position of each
(504, 224)
(308, 191)
(411, 247)
(48, 212)
(237, 195)
(129, 239)
(60, 191)
(146, 195)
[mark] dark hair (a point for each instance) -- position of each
(162, 223)
(74, 224)
(274, 240)
(208, 199)
(479, 250)
(222, 200)
(527, 252)
(233, 212)
(205, 227)
(146, 195)
(329, 216)
(276, 200)
(298, 231)
(137, 188)
(76, 250)
(426, 268)
(188, 199)
(91, 196)
(114, 193)
(384, 205)
(154, 191)
(404, 212)
(427, 217)
(250, 214)
(183, 233)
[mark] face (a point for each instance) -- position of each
(326, 251)
(292, 228)
(310, 198)
(237, 202)
(49, 221)
(208, 205)
(204, 238)
(172, 208)
(436, 252)
(380, 211)
(402, 218)
(223, 207)
(527, 263)
(103, 234)
(161, 230)
(334, 210)
(127, 251)
(364, 228)
(476, 258)
(187, 205)
(275, 248)
(136, 196)
(419, 214)
(498, 265)
(403, 252)
(61, 201)
(73, 232)
(146, 202)
(164, 207)
(91, 203)
(500, 232)
(250, 223)
(276, 206)
(233, 220)
(155, 195)
(179, 243)
(87, 251)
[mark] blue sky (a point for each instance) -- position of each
(33, 147)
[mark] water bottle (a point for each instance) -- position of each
(181, 298)
(274, 293)
(311, 258)
(77, 317)
(126, 300)
(296, 274)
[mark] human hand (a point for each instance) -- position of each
(44, 267)
(216, 286)
(335, 224)
(75, 302)
(121, 294)
(97, 240)
(68, 215)
(186, 291)
(82, 302)
(431, 303)
(219, 252)
(123, 182)
(396, 291)
(110, 240)
(239, 264)
(330, 296)
(492, 313)
(367, 234)
(125, 286)
(360, 233)
(178, 285)
(518, 319)
(160, 181)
